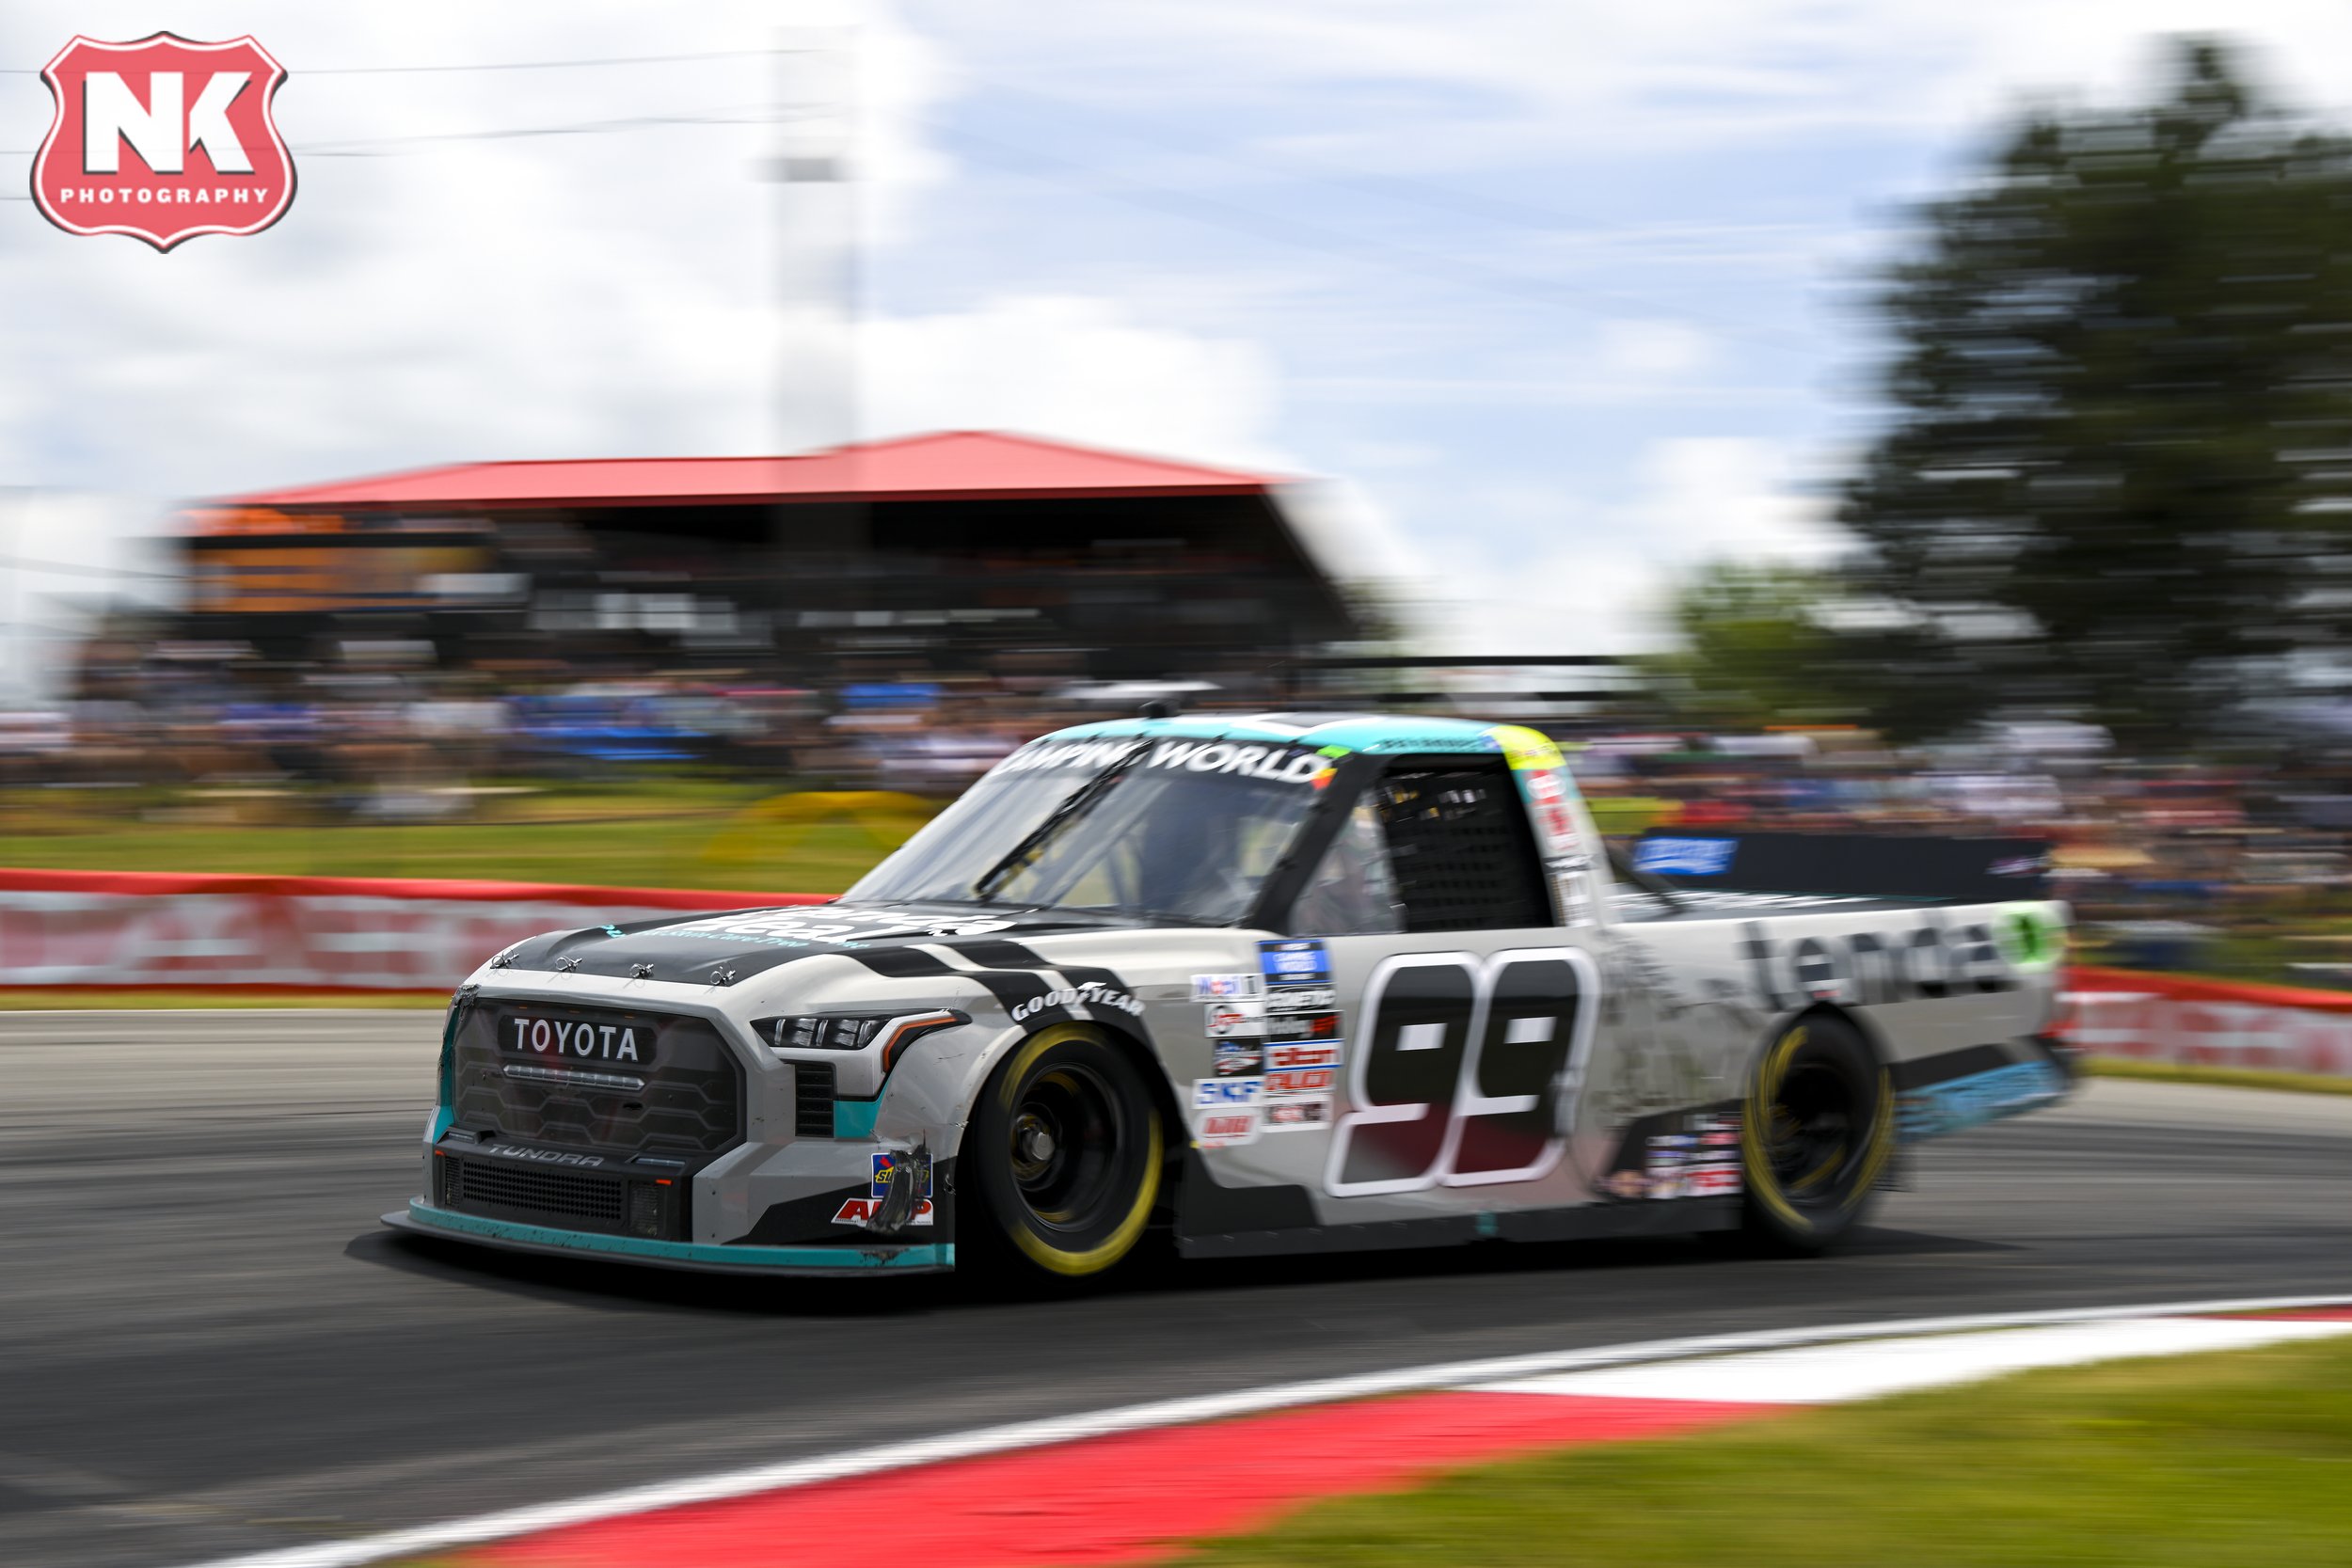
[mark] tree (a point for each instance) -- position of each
(1763, 644)
(2118, 479)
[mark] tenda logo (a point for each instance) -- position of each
(163, 139)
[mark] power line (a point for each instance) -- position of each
(1312, 236)
(510, 65)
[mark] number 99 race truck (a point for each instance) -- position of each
(1269, 984)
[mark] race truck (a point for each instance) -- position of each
(1268, 984)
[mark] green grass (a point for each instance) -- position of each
(35, 998)
(674, 835)
(2226, 1077)
(2201, 1462)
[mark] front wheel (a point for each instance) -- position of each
(1816, 1134)
(1064, 1154)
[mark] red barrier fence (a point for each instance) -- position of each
(150, 931)
(134, 931)
(2173, 1017)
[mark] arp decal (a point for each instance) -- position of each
(1467, 1069)
(1226, 1128)
(861, 1211)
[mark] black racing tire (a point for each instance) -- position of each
(1062, 1160)
(1816, 1134)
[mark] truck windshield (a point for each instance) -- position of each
(1178, 830)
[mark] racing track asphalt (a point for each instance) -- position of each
(207, 1345)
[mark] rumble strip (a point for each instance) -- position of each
(1127, 1486)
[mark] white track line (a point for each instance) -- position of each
(1824, 1374)
(450, 1533)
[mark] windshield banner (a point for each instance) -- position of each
(1280, 763)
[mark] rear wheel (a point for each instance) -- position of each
(1064, 1155)
(1816, 1134)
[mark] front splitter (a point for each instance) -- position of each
(422, 1219)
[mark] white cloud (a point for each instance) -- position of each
(1601, 586)
(1077, 368)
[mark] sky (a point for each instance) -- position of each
(1551, 303)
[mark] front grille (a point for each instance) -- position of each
(812, 1099)
(685, 1101)
(570, 1199)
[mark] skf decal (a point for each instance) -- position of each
(163, 139)
(1225, 1091)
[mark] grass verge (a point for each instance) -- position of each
(698, 835)
(2224, 1077)
(2200, 1462)
(35, 998)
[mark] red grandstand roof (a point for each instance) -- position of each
(957, 465)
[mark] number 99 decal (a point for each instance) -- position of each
(1468, 1072)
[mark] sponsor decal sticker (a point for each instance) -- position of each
(1226, 1129)
(1239, 1058)
(1297, 962)
(883, 1159)
(1685, 857)
(861, 1211)
(1301, 999)
(1093, 993)
(801, 927)
(1223, 988)
(163, 139)
(1284, 1058)
(1277, 764)
(1303, 1027)
(1227, 1019)
(1213, 1092)
(1301, 1080)
(1304, 1114)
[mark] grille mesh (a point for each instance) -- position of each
(563, 1198)
(812, 1099)
(1459, 844)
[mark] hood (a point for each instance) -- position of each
(702, 949)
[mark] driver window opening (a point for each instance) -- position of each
(1429, 849)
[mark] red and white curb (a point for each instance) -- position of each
(1128, 1486)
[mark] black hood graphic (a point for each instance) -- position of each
(719, 949)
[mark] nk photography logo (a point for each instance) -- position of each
(163, 139)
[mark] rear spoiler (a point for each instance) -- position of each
(1865, 866)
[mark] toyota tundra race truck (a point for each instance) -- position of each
(1268, 984)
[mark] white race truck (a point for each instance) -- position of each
(1265, 984)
